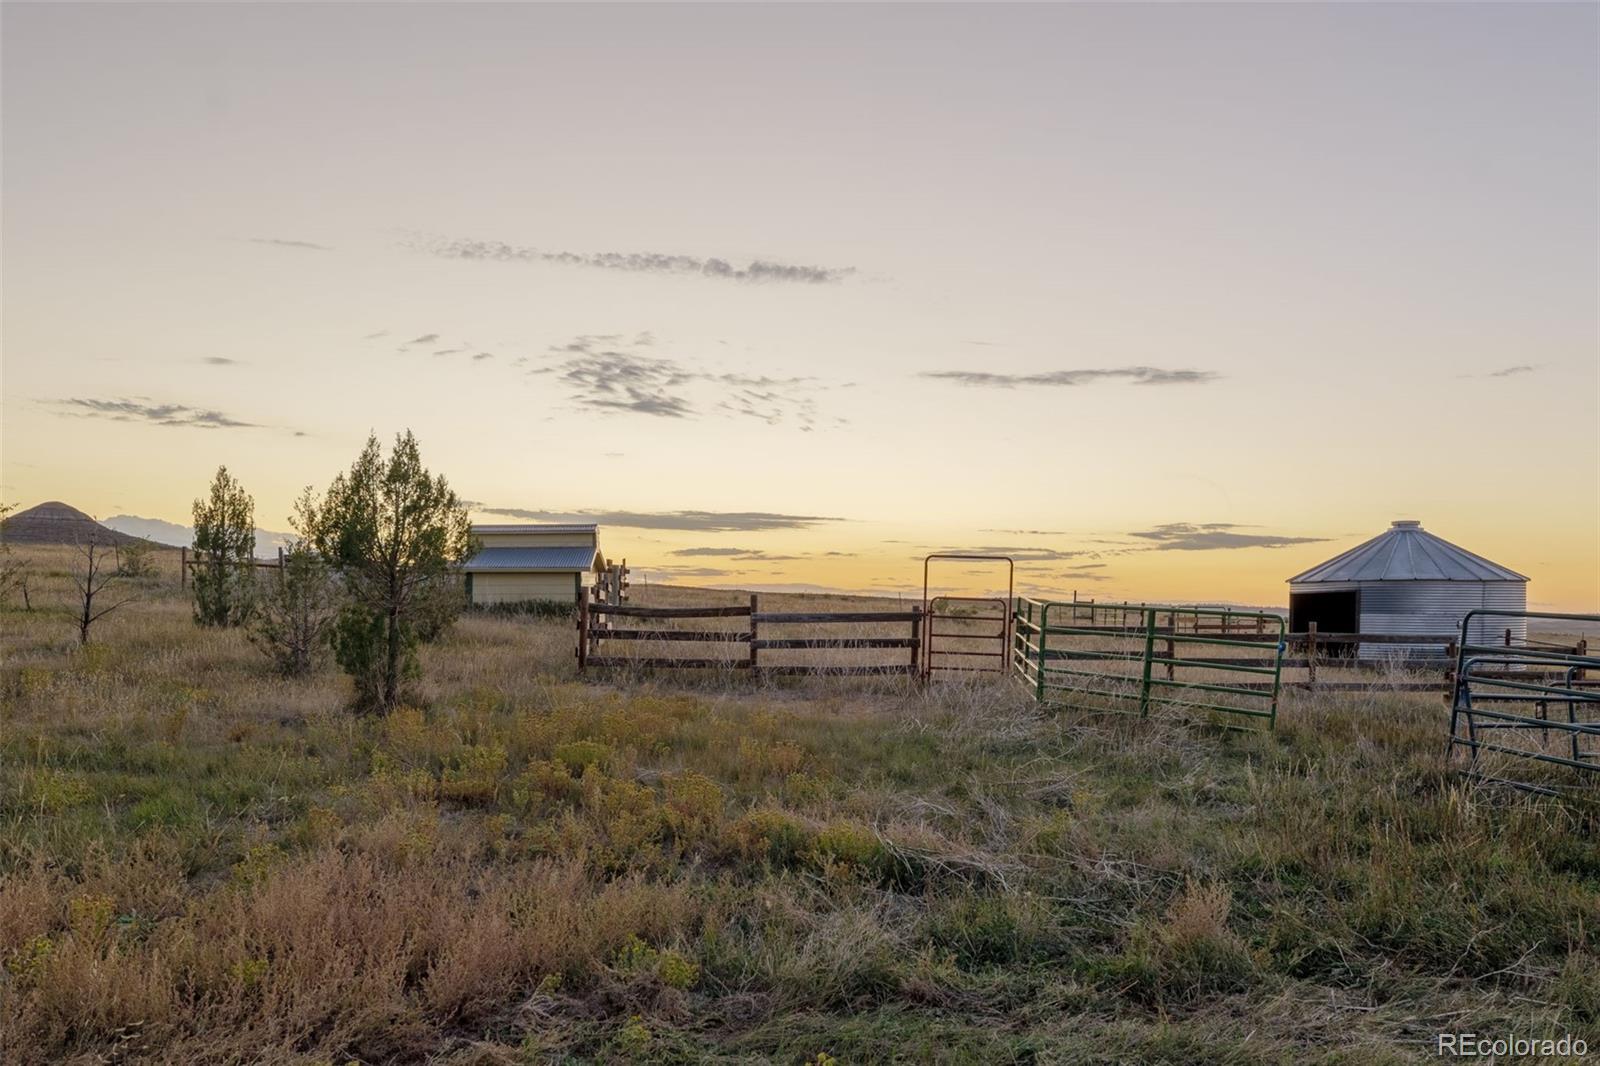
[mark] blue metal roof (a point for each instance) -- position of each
(581, 558)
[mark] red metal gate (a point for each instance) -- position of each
(967, 634)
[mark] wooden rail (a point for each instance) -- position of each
(594, 628)
(188, 561)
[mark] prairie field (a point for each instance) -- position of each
(201, 862)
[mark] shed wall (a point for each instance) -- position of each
(489, 588)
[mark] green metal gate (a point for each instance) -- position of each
(1527, 713)
(1116, 656)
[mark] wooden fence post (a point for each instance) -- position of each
(755, 604)
(183, 567)
(1311, 655)
(916, 643)
(583, 629)
(280, 564)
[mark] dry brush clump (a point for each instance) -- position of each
(203, 861)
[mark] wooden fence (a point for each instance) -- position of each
(744, 637)
(611, 584)
(741, 633)
(1336, 651)
(188, 560)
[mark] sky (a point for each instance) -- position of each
(1169, 302)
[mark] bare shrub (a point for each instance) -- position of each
(13, 568)
(94, 574)
(135, 560)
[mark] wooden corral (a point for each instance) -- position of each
(734, 638)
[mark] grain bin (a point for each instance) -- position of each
(1406, 580)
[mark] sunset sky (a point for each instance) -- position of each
(1174, 301)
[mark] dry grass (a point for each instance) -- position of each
(200, 863)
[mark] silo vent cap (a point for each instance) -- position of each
(1405, 523)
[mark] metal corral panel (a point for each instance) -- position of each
(1435, 608)
(548, 558)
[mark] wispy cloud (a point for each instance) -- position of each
(155, 414)
(669, 571)
(1021, 554)
(217, 360)
(1071, 575)
(1135, 375)
(281, 243)
(607, 379)
(608, 372)
(756, 270)
(1210, 536)
(1509, 371)
(738, 554)
(696, 521)
(428, 342)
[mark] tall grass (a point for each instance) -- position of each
(203, 863)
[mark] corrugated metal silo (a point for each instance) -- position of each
(1406, 580)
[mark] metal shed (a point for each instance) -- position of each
(529, 563)
(1406, 580)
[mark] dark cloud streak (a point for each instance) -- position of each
(281, 243)
(757, 270)
(1212, 536)
(600, 372)
(155, 414)
(1136, 375)
(694, 521)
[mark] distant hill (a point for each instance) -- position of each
(58, 523)
(268, 541)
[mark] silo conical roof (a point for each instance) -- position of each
(1405, 552)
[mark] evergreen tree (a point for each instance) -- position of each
(224, 552)
(393, 533)
(294, 619)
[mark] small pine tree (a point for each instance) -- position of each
(224, 550)
(439, 603)
(393, 533)
(136, 560)
(294, 618)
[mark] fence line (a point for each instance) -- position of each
(186, 562)
(594, 628)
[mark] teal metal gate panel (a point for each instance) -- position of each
(1116, 656)
(1527, 712)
